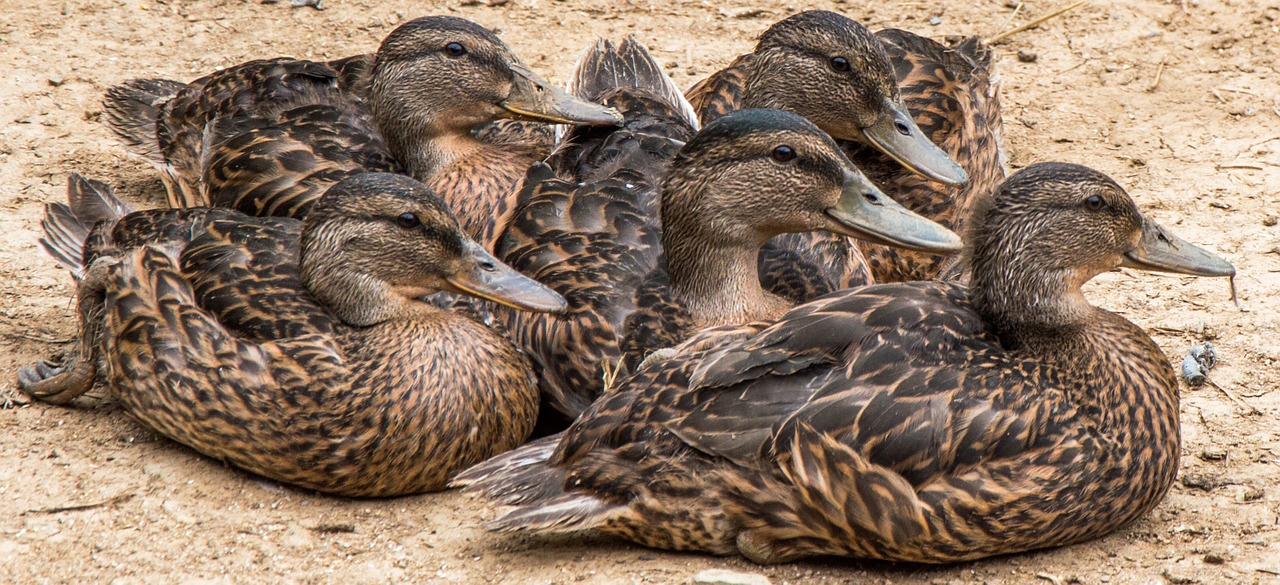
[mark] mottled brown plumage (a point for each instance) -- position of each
(268, 137)
(925, 422)
(588, 225)
(298, 350)
(949, 89)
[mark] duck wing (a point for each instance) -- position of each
(278, 161)
(180, 372)
(244, 272)
(592, 243)
(721, 92)
(586, 223)
(183, 120)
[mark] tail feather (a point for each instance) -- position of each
(66, 226)
(64, 237)
(566, 513)
(605, 66)
(517, 476)
(132, 108)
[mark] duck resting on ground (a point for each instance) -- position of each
(588, 224)
(888, 97)
(925, 422)
(268, 137)
(297, 350)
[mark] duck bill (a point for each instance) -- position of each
(864, 212)
(532, 98)
(485, 277)
(897, 135)
(1161, 251)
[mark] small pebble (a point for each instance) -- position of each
(57, 80)
(1027, 56)
(935, 20)
(1270, 221)
(1213, 454)
(1200, 481)
(1214, 558)
(1179, 579)
(1250, 494)
(723, 577)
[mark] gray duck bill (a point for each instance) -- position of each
(1161, 251)
(897, 135)
(866, 213)
(485, 277)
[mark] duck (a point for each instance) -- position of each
(651, 231)
(267, 137)
(920, 117)
(925, 422)
(297, 350)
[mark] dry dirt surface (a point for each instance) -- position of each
(1176, 100)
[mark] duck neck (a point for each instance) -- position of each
(1026, 303)
(354, 296)
(422, 135)
(712, 262)
(430, 151)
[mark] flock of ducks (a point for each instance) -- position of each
(744, 313)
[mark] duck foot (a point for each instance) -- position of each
(55, 383)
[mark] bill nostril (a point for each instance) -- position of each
(902, 127)
(872, 197)
(488, 266)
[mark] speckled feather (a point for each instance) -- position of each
(268, 137)
(200, 322)
(952, 93)
(911, 422)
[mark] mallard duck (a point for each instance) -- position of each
(588, 227)
(925, 422)
(835, 72)
(268, 137)
(298, 350)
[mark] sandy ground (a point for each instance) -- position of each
(1177, 101)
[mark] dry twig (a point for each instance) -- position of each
(116, 499)
(1248, 408)
(1037, 22)
(1156, 83)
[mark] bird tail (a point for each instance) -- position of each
(132, 109)
(605, 67)
(525, 478)
(66, 225)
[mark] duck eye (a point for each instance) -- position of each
(455, 49)
(840, 64)
(783, 153)
(408, 221)
(1095, 203)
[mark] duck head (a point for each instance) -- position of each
(1051, 227)
(835, 72)
(754, 174)
(376, 242)
(440, 75)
